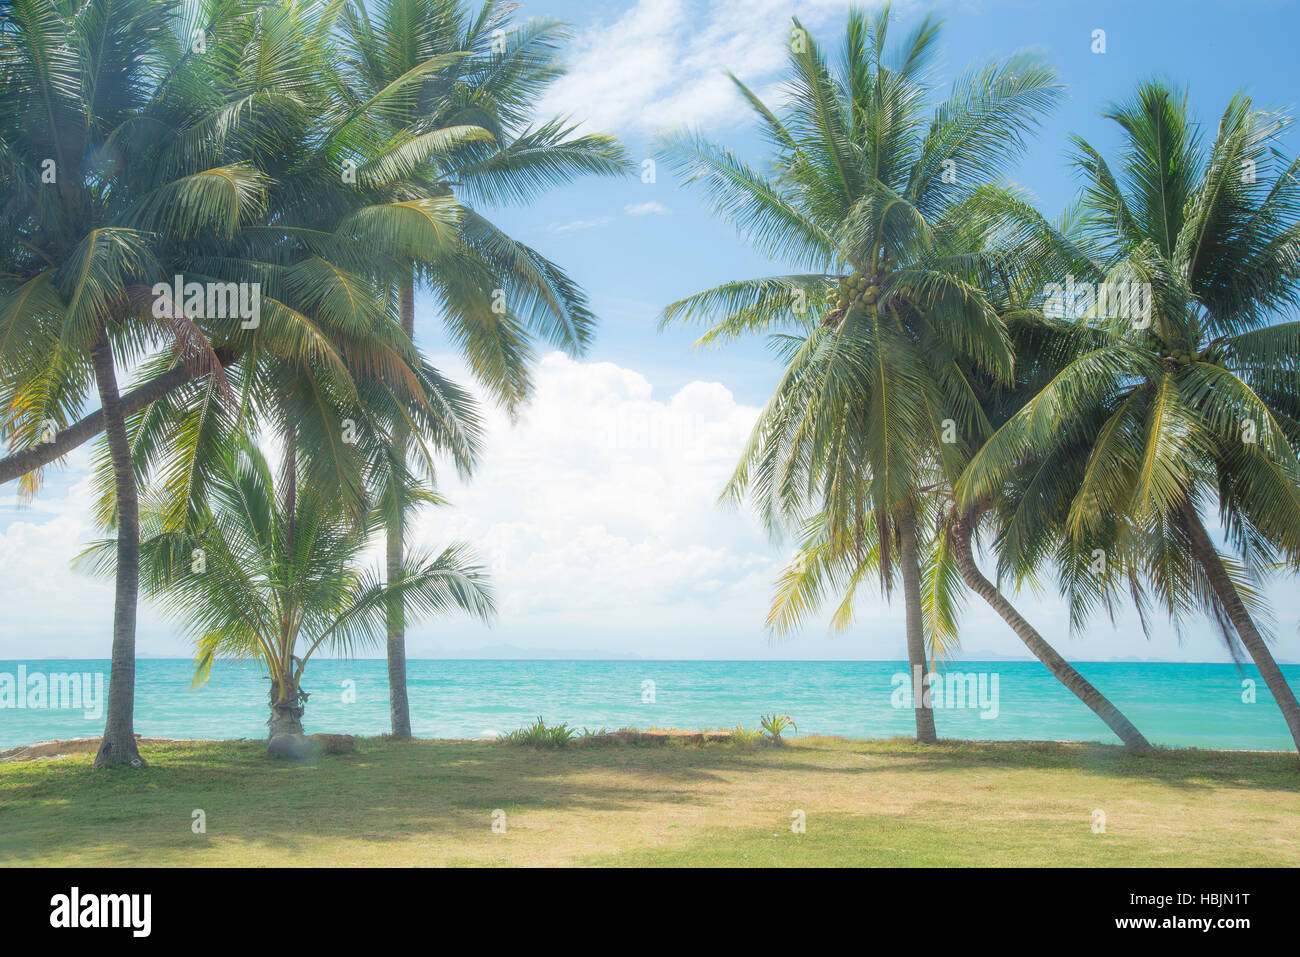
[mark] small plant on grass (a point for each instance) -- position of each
(538, 735)
(774, 724)
(744, 737)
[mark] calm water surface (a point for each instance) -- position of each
(1173, 704)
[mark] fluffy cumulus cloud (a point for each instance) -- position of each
(47, 605)
(661, 63)
(600, 505)
(597, 515)
(596, 512)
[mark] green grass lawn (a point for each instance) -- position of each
(864, 803)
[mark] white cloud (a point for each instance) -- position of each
(662, 63)
(43, 598)
(650, 208)
(581, 224)
(597, 514)
(602, 499)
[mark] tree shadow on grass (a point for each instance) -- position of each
(385, 792)
(389, 792)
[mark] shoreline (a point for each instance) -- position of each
(54, 749)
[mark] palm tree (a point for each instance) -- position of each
(334, 428)
(1033, 514)
(875, 193)
(464, 129)
(89, 220)
(957, 548)
(1028, 521)
(1196, 397)
(278, 587)
(233, 157)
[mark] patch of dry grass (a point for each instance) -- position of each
(864, 802)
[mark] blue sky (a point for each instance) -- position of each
(632, 266)
(596, 510)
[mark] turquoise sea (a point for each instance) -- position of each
(1173, 704)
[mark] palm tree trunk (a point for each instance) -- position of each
(1208, 557)
(286, 709)
(289, 479)
(19, 463)
(118, 744)
(284, 738)
(910, 559)
(962, 530)
(285, 722)
(399, 705)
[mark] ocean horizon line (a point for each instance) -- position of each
(1026, 659)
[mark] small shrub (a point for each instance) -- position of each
(745, 737)
(774, 724)
(538, 735)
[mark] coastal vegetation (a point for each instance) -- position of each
(248, 579)
(467, 131)
(860, 193)
(1197, 405)
(541, 735)
(945, 397)
(936, 379)
(313, 155)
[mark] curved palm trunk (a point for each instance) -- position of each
(399, 705)
(17, 464)
(118, 744)
(1061, 669)
(1208, 557)
(910, 559)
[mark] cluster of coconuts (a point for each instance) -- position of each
(853, 289)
